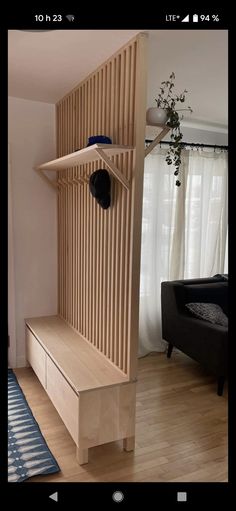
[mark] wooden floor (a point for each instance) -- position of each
(181, 428)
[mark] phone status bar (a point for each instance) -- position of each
(192, 18)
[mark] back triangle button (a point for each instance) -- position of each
(54, 496)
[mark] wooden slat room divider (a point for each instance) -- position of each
(99, 250)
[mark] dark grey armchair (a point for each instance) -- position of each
(205, 342)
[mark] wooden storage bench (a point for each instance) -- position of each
(94, 398)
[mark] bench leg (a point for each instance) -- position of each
(81, 455)
(220, 385)
(129, 443)
(169, 351)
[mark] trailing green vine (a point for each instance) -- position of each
(167, 100)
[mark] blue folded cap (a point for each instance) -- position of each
(99, 139)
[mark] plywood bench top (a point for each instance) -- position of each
(83, 366)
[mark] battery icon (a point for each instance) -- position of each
(195, 18)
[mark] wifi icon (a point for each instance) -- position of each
(70, 17)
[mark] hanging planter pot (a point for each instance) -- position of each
(156, 116)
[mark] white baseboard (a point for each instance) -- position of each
(21, 361)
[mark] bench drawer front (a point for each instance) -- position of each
(65, 400)
(36, 356)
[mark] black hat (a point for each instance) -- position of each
(100, 186)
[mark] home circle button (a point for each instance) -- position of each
(118, 496)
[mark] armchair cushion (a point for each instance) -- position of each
(211, 312)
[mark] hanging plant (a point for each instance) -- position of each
(168, 101)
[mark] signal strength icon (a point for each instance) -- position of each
(186, 19)
(70, 17)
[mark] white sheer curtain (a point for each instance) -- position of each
(184, 230)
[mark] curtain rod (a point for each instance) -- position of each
(191, 144)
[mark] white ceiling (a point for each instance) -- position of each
(44, 66)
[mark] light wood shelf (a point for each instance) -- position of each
(93, 153)
(86, 155)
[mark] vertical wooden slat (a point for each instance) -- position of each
(91, 226)
(80, 305)
(100, 216)
(59, 214)
(78, 255)
(83, 216)
(70, 140)
(68, 215)
(112, 100)
(65, 214)
(108, 99)
(110, 267)
(121, 97)
(132, 93)
(127, 267)
(96, 287)
(99, 104)
(108, 285)
(90, 267)
(113, 263)
(117, 269)
(136, 204)
(94, 317)
(86, 113)
(73, 213)
(105, 282)
(58, 218)
(117, 99)
(63, 217)
(82, 309)
(87, 247)
(80, 119)
(95, 100)
(75, 251)
(65, 210)
(102, 95)
(126, 96)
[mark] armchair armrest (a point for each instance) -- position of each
(205, 342)
(186, 321)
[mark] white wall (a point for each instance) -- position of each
(34, 203)
(204, 136)
(11, 273)
(199, 59)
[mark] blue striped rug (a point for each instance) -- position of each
(28, 453)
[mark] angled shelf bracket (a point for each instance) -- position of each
(114, 170)
(159, 137)
(53, 183)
